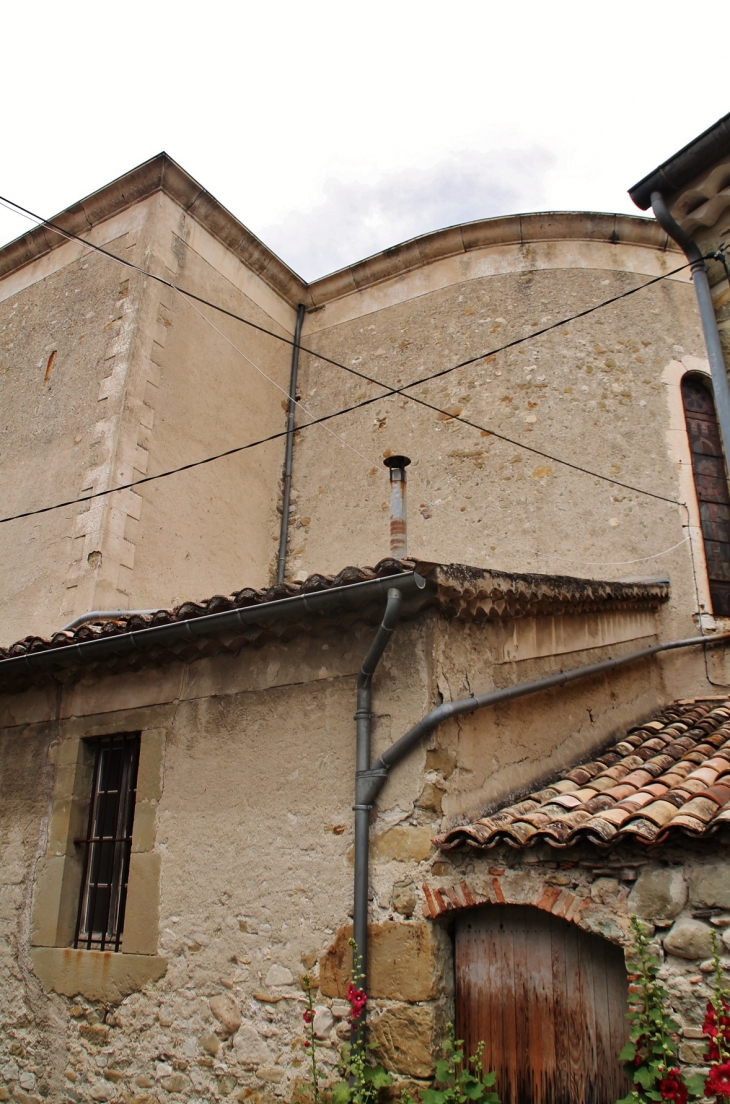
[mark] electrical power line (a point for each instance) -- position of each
(387, 391)
(321, 356)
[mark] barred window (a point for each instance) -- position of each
(108, 843)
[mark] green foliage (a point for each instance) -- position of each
(461, 1080)
(311, 1039)
(362, 1080)
(650, 1057)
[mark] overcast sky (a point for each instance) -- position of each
(334, 129)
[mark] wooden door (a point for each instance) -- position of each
(549, 1001)
(708, 467)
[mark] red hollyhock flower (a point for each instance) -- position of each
(709, 1027)
(718, 1083)
(357, 999)
(713, 1051)
(308, 1016)
(673, 1087)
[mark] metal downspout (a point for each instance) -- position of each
(371, 782)
(363, 719)
(289, 450)
(693, 254)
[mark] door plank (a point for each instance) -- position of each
(548, 999)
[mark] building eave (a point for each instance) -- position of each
(163, 174)
(682, 167)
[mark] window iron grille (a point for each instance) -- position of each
(108, 843)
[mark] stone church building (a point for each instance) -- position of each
(534, 649)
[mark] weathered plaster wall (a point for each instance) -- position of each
(107, 376)
(592, 392)
(250, 822)
(56, 366)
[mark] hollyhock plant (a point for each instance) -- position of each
(672, 1087)
(310, 1041)
(650, 1058)
(716, 1027)
(718, 1082)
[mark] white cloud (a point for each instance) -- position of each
(356, 219)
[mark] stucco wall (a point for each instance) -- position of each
(248, 814)
(139, 384)
(592, 392)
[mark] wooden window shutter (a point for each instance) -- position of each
(549, 1001)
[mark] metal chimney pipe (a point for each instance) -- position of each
(398, 513)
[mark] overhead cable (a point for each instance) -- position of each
(387, 391)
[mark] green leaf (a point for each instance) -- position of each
(696, 1084)
(378, 1077)
(489, 1078)
(473, 1092)
(443, 1070)
(627, 1055)
(644, 1076)
(341, 1093)
(430, 1096)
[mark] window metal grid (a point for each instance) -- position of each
(108, 843)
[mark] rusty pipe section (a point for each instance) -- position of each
(398, 506)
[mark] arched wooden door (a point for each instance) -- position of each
(708, 467)
(549, 1001)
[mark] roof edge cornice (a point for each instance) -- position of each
(163, 174)
(159, 174)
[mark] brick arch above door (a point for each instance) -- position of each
(523, 887)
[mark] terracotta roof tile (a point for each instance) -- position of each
(458, 590)
(667, 778)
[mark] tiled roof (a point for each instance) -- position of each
(669, 777)
(226, 623)
(188, 611)
(462, 592)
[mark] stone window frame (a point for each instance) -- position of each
(98, 975)
(680, 453)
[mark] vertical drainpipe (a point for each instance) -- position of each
(398, 513)
(364, 720)
(289, 451)
(693, 253)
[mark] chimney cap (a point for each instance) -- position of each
(397, 461)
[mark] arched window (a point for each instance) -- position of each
(548, 999)
(708, 467)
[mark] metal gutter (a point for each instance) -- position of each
(106, 615)
(672, 175)
(289, 450)
(353, 596)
